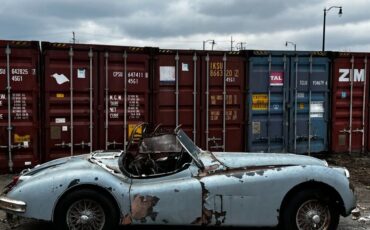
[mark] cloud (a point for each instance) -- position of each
(186, 23)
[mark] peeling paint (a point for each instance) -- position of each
(142, 207)
(74, 182)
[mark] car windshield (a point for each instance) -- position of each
(189, 146)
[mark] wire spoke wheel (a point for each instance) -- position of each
(313, 215)
(85, 214)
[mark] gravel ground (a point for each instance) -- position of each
(359, 168)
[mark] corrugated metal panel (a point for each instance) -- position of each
(19, 85)
(176, 91)
(309, 89)
(350, 102)
(117, 64)
(70, 93)
(279, 82)
(223, 104)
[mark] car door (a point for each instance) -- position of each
(170, 199)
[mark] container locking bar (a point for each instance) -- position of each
(351, 105)
(207, 100)
(125, 105)
(106, 55)
(90, 54)
(195, 100)
(70, 53)
(9, 89)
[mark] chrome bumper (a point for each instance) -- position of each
(11, 205)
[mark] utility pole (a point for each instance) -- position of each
(73, 37)
(232, 41)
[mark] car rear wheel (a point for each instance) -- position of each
(85, 209)
(310, 210)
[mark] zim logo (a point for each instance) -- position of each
(358, 75)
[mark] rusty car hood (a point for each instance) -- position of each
(239, 160)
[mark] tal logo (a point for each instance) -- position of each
(277, 78)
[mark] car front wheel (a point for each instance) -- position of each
(85, 209)
(310, 209)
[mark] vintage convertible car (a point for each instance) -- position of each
(164, 178)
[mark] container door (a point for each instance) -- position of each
(70, 99)
(223, 102)
(19, 94)
(309, 100)
(267, 101)
(350, 96)
(117, 118)
(176, 91)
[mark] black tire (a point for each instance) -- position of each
(307, 201)
(105, 213)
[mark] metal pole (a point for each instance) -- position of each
(106, 55)
(91, 99)
(224, 106)
(9, 88)
(295, 104)
(364, 107)
(284, 123)
(309, 107)
(195, 99)
(70, 53)
(204, 45)
(323, 31)
(350, 105)
(125, 103)
(268, 105)
(207, 99)
(177, 88)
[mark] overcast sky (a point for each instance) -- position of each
(185, 24)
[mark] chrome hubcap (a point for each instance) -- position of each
(85, 214)
(313, 215)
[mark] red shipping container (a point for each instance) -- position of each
(70, 92)
(223, 101)
(115, 65)
(350, 102)
(19, 85)
(176, 91)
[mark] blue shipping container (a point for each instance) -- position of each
(288, 102)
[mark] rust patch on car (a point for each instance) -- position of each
(74, 182)
(142, 207)
(126, 220)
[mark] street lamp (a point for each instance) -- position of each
(211, 41)
(292, 43)
(340, 12)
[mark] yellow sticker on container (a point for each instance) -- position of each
(138, 133)
(259, 101)
(301, 105)
(60, 95)
(21, 139)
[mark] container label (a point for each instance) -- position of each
(277, 79)
(131, 127)
(60, 120)
(81, 73)
(317, 109)
(60, 78)
(256, 127)
(185, 67)
(20, 139)
(19, 109)
(167, 73)
(259, 101)
(358, 75)
(59, 95)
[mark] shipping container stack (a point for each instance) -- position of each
(90, 97)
